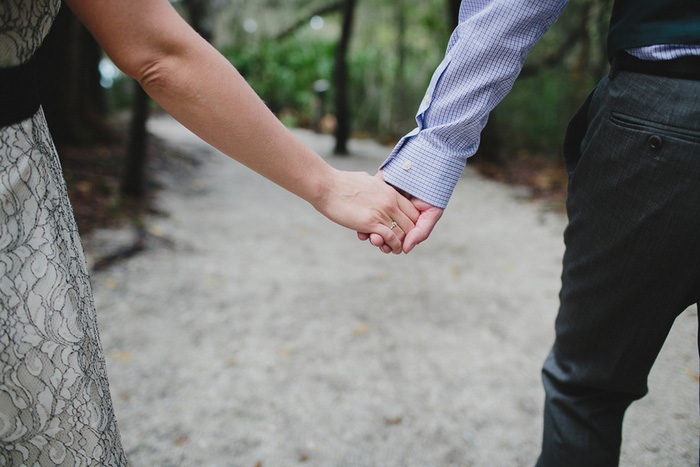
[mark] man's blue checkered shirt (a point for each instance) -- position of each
(483, 58)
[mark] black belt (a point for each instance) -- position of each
(19, 98)
(687, 67)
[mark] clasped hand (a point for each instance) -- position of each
(428, 215)
(390, 220)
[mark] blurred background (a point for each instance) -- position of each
(296, 356)
(352, 68)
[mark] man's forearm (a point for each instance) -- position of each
(483, 59)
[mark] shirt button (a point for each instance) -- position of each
(407, 165)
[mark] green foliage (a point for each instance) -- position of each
(384, 91)
(283, 72)
(396, 46)
(536, 112)
(394, 49)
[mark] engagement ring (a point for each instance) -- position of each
(393, 224)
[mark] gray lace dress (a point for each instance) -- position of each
(55, 406)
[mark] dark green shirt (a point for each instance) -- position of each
(638, 23)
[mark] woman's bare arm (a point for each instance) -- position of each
(192, 81)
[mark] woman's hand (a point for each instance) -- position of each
(364, 203)
(429, 215)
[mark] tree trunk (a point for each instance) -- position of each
(137, 147)
(69, 83)
(399, 96)
(198, 15)
(453, 13)
(134, 178)
(340, 78)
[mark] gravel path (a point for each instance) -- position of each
(253, 332)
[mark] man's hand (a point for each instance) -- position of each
(427, 218)
(360, 201)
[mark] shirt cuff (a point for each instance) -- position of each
(423, 170)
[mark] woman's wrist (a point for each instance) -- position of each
(321, 187)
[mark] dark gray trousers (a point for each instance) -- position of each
(632, 261)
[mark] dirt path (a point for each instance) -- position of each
(252, 331)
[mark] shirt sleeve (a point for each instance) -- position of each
(483, 58)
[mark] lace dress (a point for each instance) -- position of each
(55, 406)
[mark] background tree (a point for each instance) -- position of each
(320, 10)
(340, 80)
(401, 102)
(69, 81)
(282, 47)
(134, 176)
(560, 70)
(453, 12)
(198, 14)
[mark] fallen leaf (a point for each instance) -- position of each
(155, 230)
(122, 355)
(181, 440)
(382, 276)
(361, 329)
(286, 352)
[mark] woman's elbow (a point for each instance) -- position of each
(153, 73)
(149, 71)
